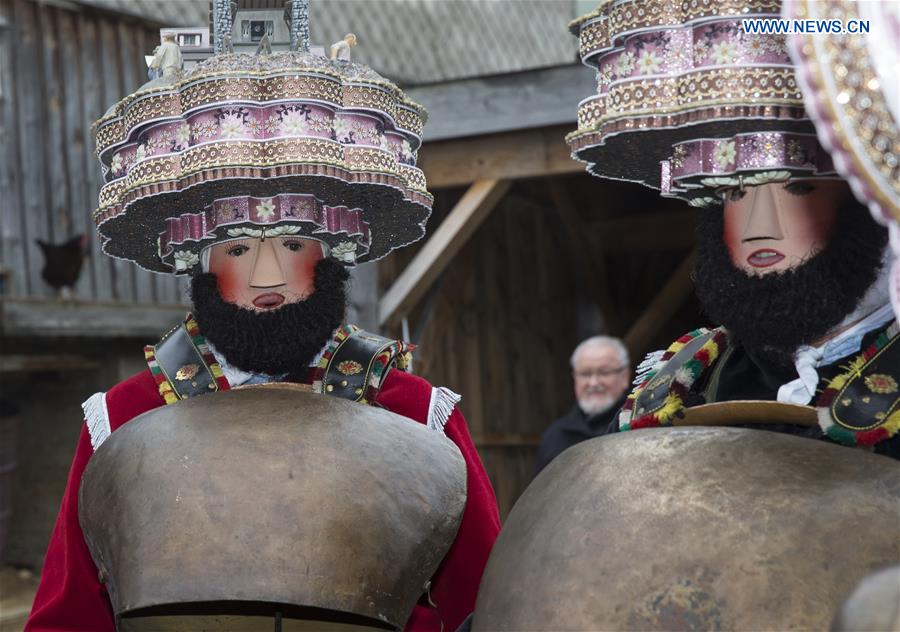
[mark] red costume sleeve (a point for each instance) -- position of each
(455, 584)
(70, 597)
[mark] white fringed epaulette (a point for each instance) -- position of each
(441, 406)
(96, 417)
(647, 364)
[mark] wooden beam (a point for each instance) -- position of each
(661, 308)
(486, 105)
(57, 318)
(436, 254)
(511, 155)
(588, 257)
(26, 363)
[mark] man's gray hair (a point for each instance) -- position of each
(602, 341)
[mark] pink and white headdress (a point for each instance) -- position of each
(289, 143)
(688, 102)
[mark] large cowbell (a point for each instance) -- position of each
(226, 510)
(692, 529)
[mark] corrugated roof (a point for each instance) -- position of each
(417, 41)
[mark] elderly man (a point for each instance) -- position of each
(600, 368)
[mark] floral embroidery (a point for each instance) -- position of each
(724, 53)
(293, 122)
(117, 163)
(648, 63)
(206, 128)
(340, 130)
(797, 153)
(701, 50)
(265, 209)
(349, 367)
(182, 136)
(319, 122)
(678, 156)
(273, 124)
(185, 259)
(624, 64)
(345, 251)
(881, 383)
(776, 44)
(406, 151)
(231, 125)
(724, 155)
(254, 126)
(141, 153)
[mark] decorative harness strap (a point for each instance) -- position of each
(661, 395)
(356, 366)
(859, 407)
(182, 364)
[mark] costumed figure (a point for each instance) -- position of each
(851, 89)
(723, 527)
(284, 466)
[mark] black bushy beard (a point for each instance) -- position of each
(773, 314)
(283, 340)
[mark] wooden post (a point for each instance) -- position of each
(661, 308)
(475, 205)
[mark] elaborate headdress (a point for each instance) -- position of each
(851, 87)
(687, 101)
(286, 143)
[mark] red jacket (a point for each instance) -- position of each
(70, 597)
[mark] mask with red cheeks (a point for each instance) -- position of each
(261, 274)
(777, 226)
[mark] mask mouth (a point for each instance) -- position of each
(270, 300)
(764, 258)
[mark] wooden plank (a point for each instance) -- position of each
(20, 363)
(31, 113)
(649, 232)
(588, 257)
(96, 319)
(12, 232)
(93, 107)
(512, 155)
(76, 138)
(55, 164)
(121, 274)
(132, 79)
(661, 308)
(483, 105)
(437, 253)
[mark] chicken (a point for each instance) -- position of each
(62, 263)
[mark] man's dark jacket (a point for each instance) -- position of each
(573, 427)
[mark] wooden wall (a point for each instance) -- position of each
(60, 70)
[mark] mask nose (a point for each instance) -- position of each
(267, 270)
(763, 221)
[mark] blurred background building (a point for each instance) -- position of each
(526, 254)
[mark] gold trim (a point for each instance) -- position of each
(835, 119)
(655, 14)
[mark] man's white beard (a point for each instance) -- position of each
(594, 406)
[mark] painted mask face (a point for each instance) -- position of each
(263, 274)
(600, 378)
(774, 227)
